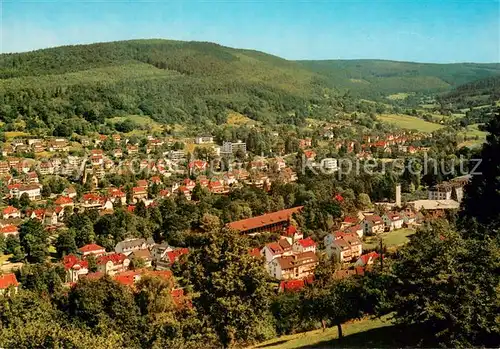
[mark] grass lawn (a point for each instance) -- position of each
(4, 258)
(409, 122)
(139, 120)
(391, 239)
(329, 337)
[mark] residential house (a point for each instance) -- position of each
(305, 143)
(304, 245)
(197, 166)
(139, 193)
(116, 195)
(31, 178)
(276, 249)
(185, 191)
(130, 245)
(292, 234)
(74, 267)
(9, 229)
(32, 190)
(11, 212)
(189, 183)
(393, 220)
(355, 229)
(70, 192)
(46, 168)
(344, 247)
(409, 217)
(373, 224)
(50, 217)
(8, 282)
(92, 249)
(367, 259)
(175, 254)
(216, 187)
(296, 266)
(64, 201)
(203, 139)
(112, 263)
(143, 254)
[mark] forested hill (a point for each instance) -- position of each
(379, 78)
(193, 82)
(474, 94)
(171, 81)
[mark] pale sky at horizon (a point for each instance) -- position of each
(423, 31)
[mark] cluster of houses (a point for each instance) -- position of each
(162, 256)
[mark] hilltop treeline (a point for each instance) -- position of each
(473, 94)
(173, 82)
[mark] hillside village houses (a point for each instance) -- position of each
(291, 257)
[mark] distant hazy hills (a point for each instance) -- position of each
(175, 81)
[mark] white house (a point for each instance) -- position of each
(304, 245)
(373, 225)
(130, 245)
(393, 220)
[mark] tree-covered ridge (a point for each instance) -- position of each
(171, 81)
(378, 77)
(476, 93)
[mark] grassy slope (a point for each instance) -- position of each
(356, 335)
(409, 122)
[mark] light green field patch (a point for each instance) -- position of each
(398, 96)
(409, 122)
(390, 239)
(359, 81)
(14, 134)
(235, 118)
(140, 120)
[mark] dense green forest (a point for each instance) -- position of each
(196, 82)
(377, 78)
(473, 94)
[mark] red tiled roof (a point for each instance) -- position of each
(10, 210)
(264, 220)
(9, 229)
(91, 197)
(275, 248)
(290, 231)
(255, 252)
(71, 261)
(374, 219)
(366, 257)
(91, 248)
(7, 280)
(63, 200)
(116, 258)
(308, 242)
(350, 220)
(175, 254)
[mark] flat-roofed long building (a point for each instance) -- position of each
(269, 222)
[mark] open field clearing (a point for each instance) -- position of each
(235, 118)
(409, 122)
(390, 239)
